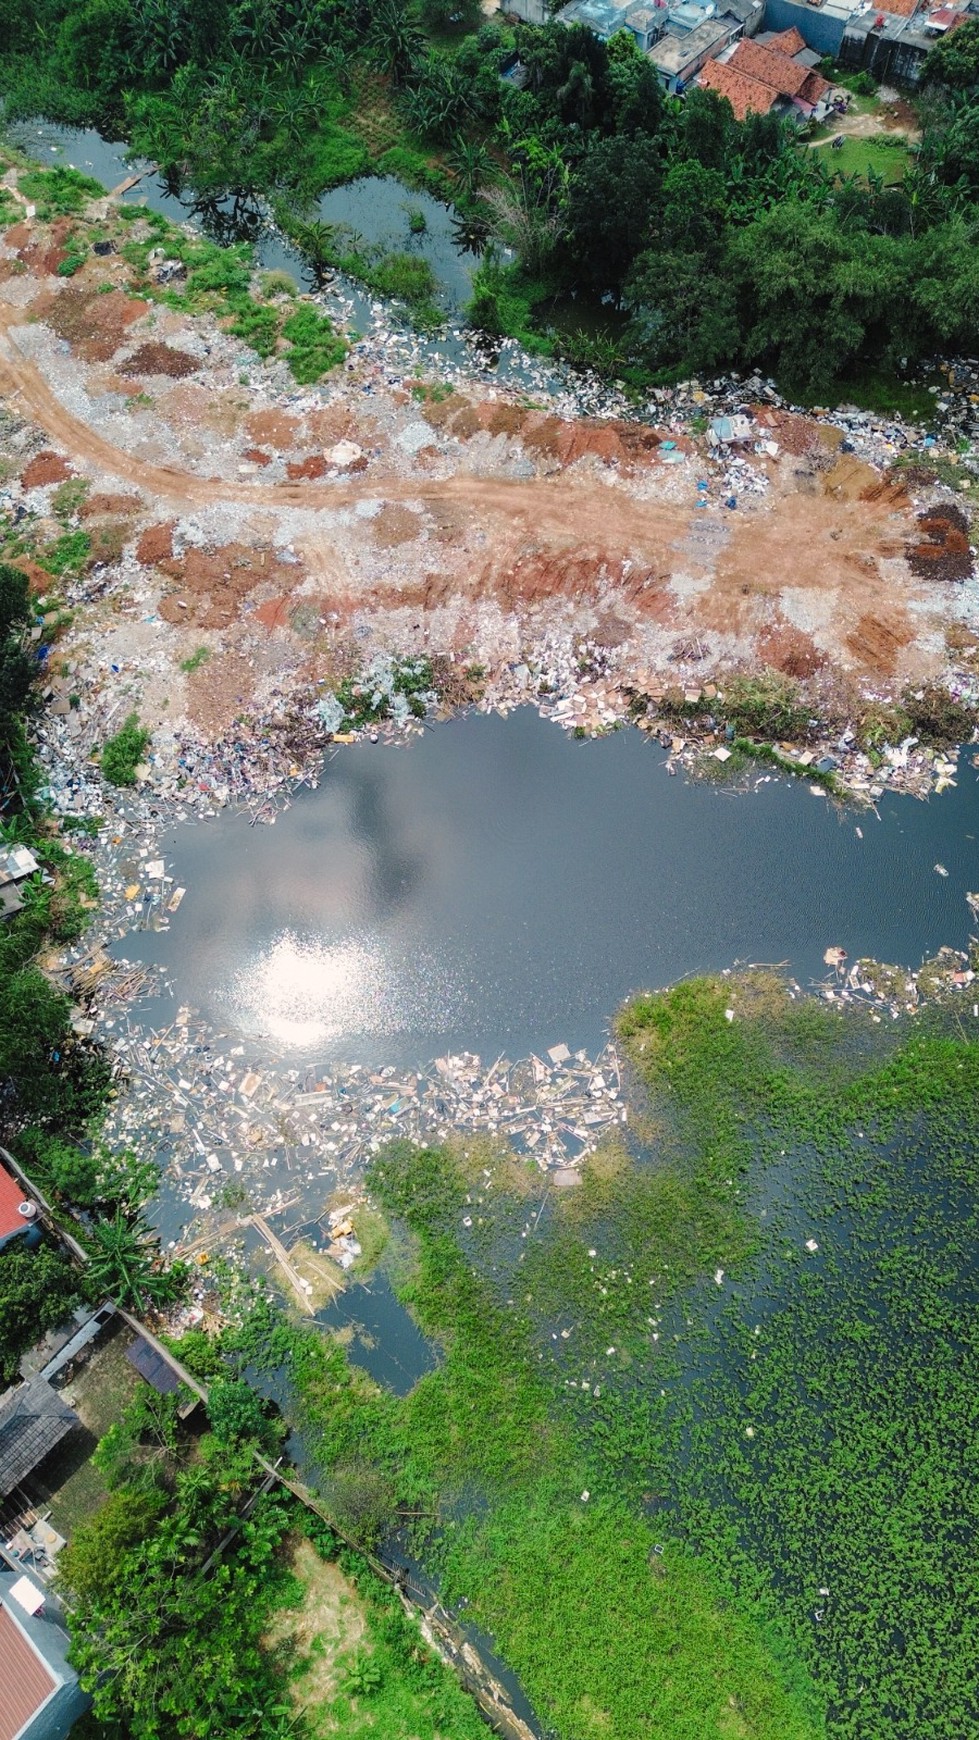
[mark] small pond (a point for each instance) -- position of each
(497, 886)
(376, 207)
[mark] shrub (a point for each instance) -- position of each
(122, 754)
(277, 283)
(69, 496)
(938, 717)
(765, 706)
(68, 554)
(58, 192)
(257, 326)
(73, 261)
(314, 347)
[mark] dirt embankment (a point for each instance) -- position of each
(268, 538)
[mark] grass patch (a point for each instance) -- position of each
(197, 658)
(69, 497)
(886, 156)
(314, 347)
(257, 325)
(67, 555)
(122, 754)
(59, 191)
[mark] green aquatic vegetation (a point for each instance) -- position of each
(609, 1634)
(644, 1483)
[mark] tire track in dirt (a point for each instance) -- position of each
(565, 510)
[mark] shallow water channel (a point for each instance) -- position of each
(497, 886)
(373, 208)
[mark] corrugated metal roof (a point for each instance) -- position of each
(25, 1681)
(153, 1367)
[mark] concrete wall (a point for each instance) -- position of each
(59, 1714)
(820, 30)
(531, 11)
(895, 60)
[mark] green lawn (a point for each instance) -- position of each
(856, 156)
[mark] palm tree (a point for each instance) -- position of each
(471, 164)
(125, 1262)
(319, 242)
(395, 44)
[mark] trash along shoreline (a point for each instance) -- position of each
(242, 1131)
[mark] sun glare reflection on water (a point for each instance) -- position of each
(304, 991)
(301, 992)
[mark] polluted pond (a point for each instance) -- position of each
(685, 1290)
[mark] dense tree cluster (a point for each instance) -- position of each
(728, 242)
(53, 1085)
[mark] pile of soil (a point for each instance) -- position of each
(211, 584)
(155, 358)
(942, 550)
(95, 326)
(45, 467)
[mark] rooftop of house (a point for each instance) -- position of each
(745, 95)
(34, 1667)
(11, 1197)
(790, 42)
(33, 1419)
(674, 53)
(26, 1678)
(768, 67)
(643, 17)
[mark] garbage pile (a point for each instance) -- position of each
(232, 1133)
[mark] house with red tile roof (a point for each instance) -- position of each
(757, 78)
(40, 1697)
(17, 1215)
(745, 95)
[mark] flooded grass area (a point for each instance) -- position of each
(721, 1391)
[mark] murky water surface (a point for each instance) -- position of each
(497, 886)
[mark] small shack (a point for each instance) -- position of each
(33, 1420)
(16, 864)
(156, 1370)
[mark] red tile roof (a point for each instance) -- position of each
(768, 67)
(900, 8)
(744, 95)
(815, 88)
(787, 42)
(26, 1682)
(11, 1197)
